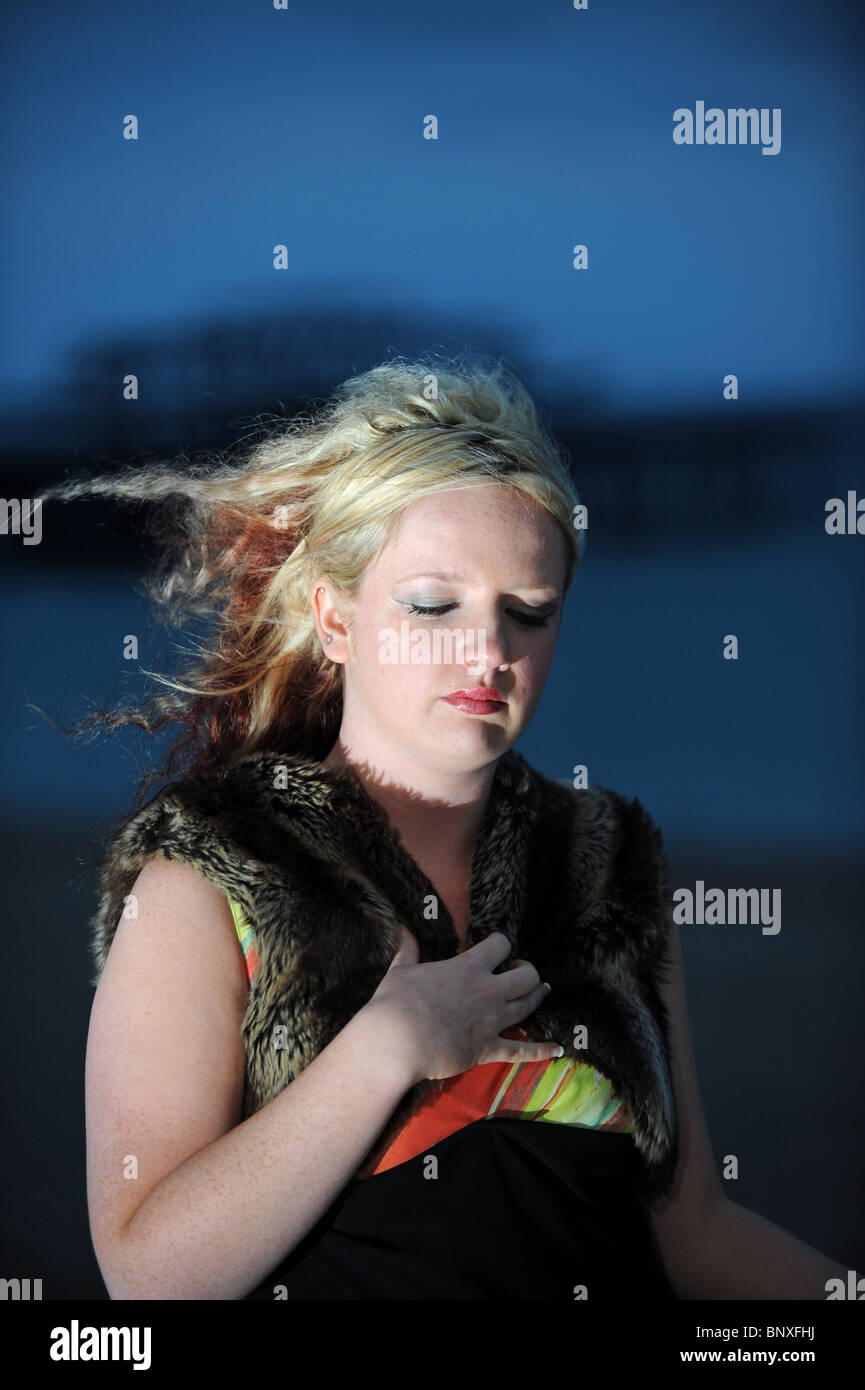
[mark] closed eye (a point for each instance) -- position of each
(527, 619)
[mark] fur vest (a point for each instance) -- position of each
(575, 879)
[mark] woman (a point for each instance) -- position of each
(381, 1011)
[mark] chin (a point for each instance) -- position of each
(469, 751)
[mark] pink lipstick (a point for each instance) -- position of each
(478, 700)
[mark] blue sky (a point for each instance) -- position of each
(303, 126)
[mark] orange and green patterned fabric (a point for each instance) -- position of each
(246, 937)
(560, 1090)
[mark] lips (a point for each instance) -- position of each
(477, 701)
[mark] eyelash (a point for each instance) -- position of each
(523, 618)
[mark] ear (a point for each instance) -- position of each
(331, 619)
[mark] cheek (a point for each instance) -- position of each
(542, 659)
(375, 645)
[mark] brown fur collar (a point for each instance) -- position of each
(575, 879)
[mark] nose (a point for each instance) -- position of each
(490, 650)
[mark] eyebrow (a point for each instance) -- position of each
(452, 574)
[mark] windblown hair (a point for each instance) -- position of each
(241, 540)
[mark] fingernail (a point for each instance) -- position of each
(547, 987)
(559, 1052)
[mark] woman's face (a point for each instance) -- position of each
(501, 607)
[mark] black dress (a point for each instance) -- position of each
(518, 1210)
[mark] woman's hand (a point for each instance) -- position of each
(448, 1015)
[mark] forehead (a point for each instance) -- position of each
(475, 533)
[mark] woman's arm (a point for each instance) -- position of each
(711, 1246)
(187, 1202)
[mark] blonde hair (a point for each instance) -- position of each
(242, 540)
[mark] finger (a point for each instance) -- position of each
(518, 1009)
(507, 1050)
(494, 948)
(521, 980)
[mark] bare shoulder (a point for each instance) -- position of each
(181, 919)
(165, 1061)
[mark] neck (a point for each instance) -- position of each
(437, 817)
